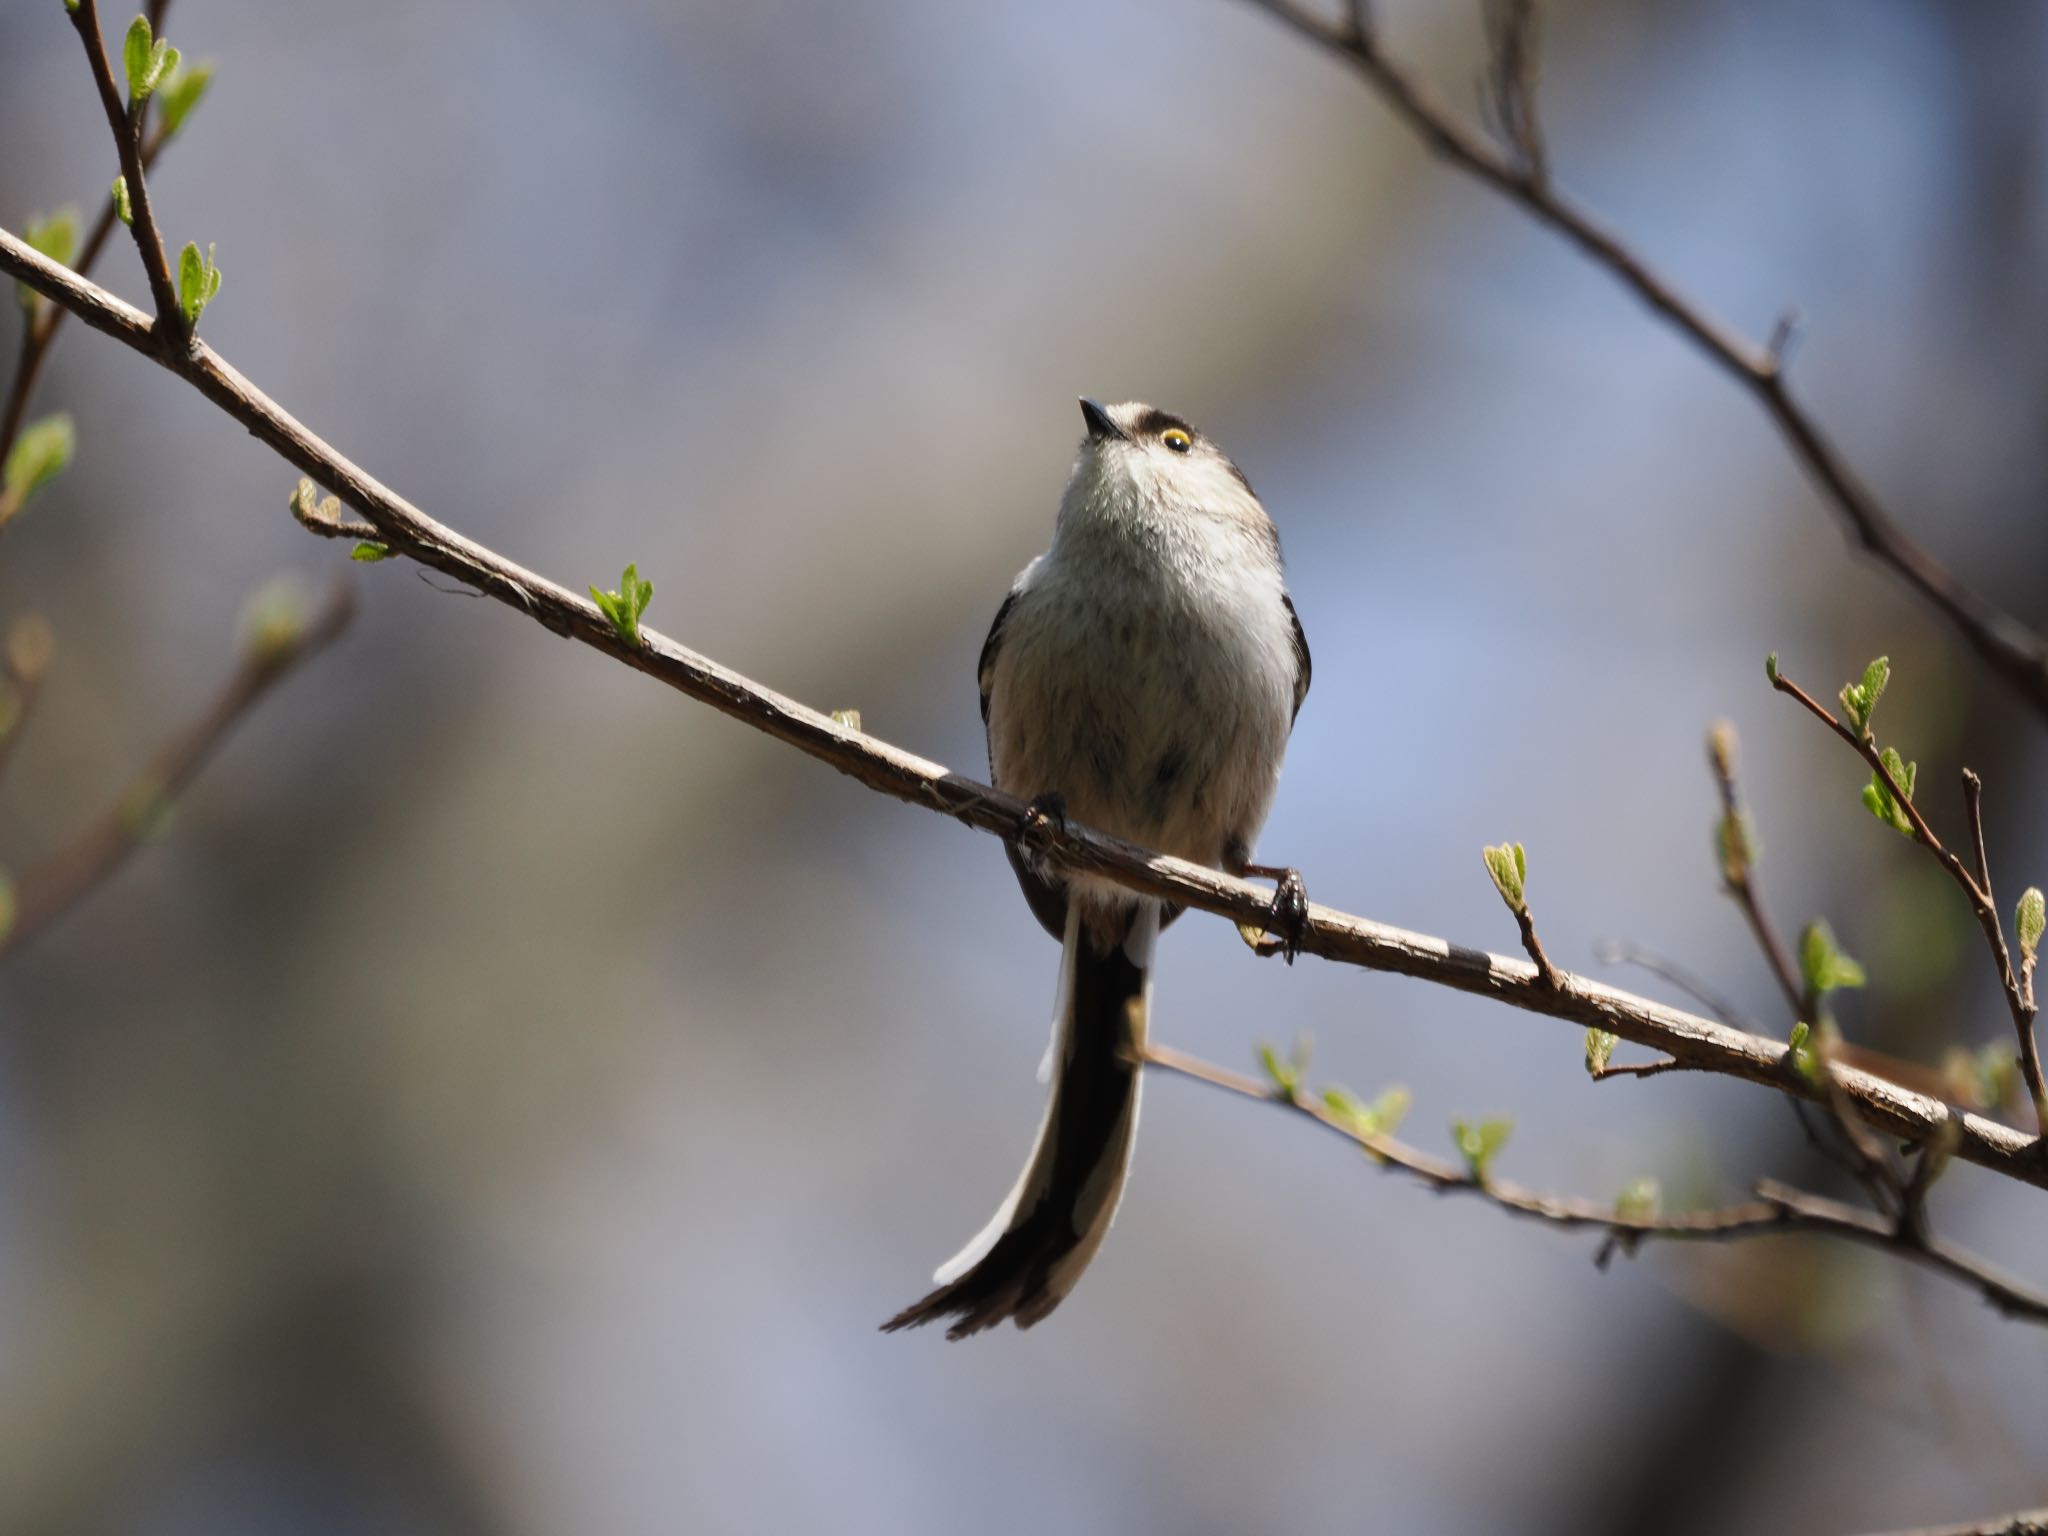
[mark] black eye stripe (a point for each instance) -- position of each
(1153, 421)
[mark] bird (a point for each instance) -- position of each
(1142, 677)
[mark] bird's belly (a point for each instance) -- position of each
(1152, 725)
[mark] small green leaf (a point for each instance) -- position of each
(54, 236)
(850, 718)
(1599, 1050)
(148, 60)
(1771, 668)
(2031, 919)
(1859, 700)
(1639, 1200)
(1507, 866)
(1382, 1117)
(1822, 962)
(1810, 1049)
(123, 209)
(198, 282)
(1480, 1144)
(1282, 1074)
(181, 93)
(369, 551)
(135, 52)
(622, 609)
(1878, 798)
(40, 455)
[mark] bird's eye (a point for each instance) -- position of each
(1176, 439)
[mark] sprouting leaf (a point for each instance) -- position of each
(1859, 700)
(369, 551)
(850, 718)
(274, 618)
(148, 60)
(1639, 1200)
(1599, 1050)
(182, 92)
(1480, 1144)
(1735, 843)
(1771, 668)
(2031, 919)
(198, 282)
(1283, 1074)
(1811, 1049)
(1382, 1117)
(1509, 869)
(624, 607)
(124, 210)
(135, 48)
(1823, 963)
(55, 236)
(1878, 798)
(40, 455)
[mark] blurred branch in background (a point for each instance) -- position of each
(1632, 1219)
(1520, 171)
(281, 635)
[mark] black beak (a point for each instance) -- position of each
(1099, 424)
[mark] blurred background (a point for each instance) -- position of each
(509, 1095)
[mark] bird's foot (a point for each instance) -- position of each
(1045, 817)
(1287, 926)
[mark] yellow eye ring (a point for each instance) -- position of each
(1176, 439)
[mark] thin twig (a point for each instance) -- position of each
(1702, 1043)
(41, 328)
(24, 661)
(56, 885)
(1738, 869)
(1976, 892)
(1622, 952)
(126, 124)
(1545, 971)
(1777, 1209)
(2016, 653)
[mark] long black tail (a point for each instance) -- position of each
(1028, 1258)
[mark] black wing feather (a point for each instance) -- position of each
(1302, 665)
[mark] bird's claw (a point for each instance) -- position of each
(1287, 924)
(1045, 817)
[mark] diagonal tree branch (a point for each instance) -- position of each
(53, 887)
(1776, 1210)
(1699, 1043)
(2016, 653)
(1976, 888)
(126, 121)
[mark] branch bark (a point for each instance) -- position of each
(1698, 1043)
(1776, 1210)
(2015, 653)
